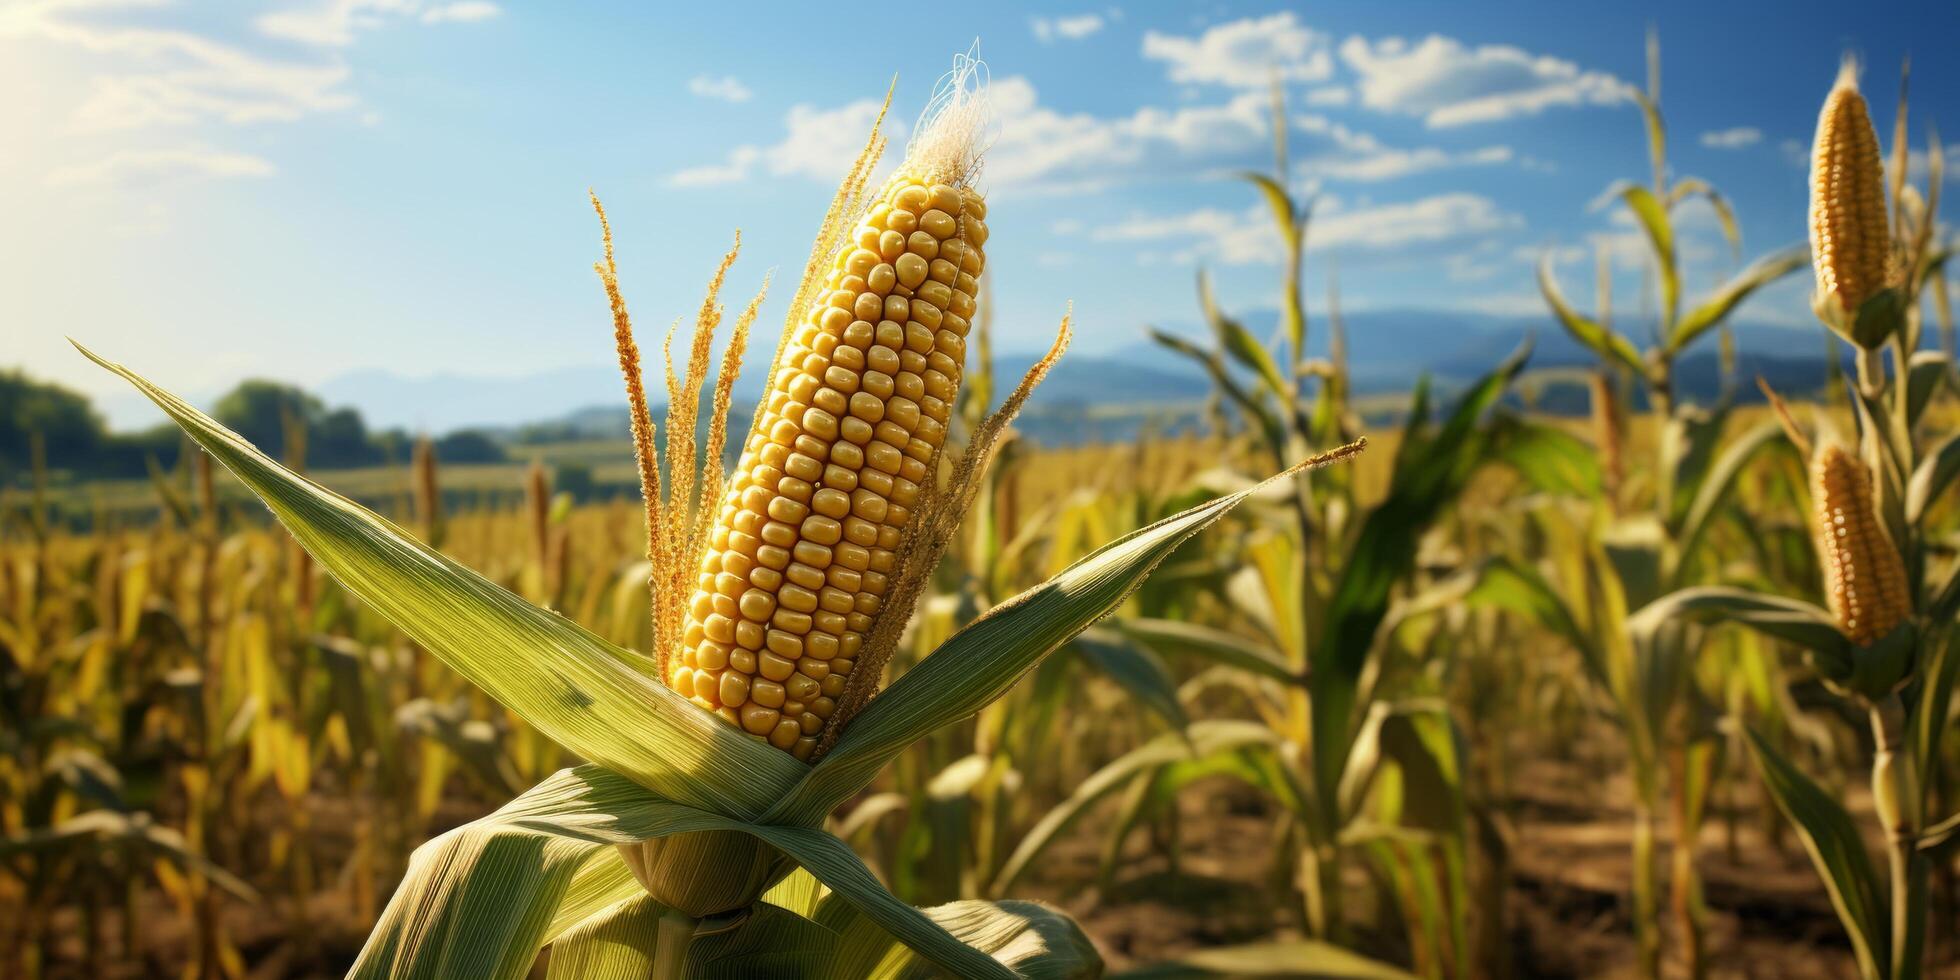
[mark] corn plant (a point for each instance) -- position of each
(1630, 558)
(1884, 642)
(1360, 758)
(670, 850)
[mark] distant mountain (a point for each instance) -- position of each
(445, 401)
(1387, 350)
(581, 395)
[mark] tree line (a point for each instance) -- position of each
(63, 428)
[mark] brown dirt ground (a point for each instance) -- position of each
(1566, 910)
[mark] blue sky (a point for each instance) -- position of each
(214, 190)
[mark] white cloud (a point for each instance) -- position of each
(165, 76)
(1449, 84)
(1561, 254)
(727, 88)
(1245, 53)
(1440, 217)
(1332, 95)
(136, 167)
(1249, 237)
(1048, 29)
(463, 12)
(1732, 139)
(336, 23)
(820, 144)
(331, 24)
(1358, 156)
(218, 84)
(1040, 149)
(1918, 164)
(181, 77)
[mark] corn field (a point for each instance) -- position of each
(882, 688)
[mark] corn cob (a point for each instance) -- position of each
(801, 555)
(1864, 577)
(1849, 242)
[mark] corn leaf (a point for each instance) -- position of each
(987, 658)
(1202, 740)
(1135, 669)
(1791, 620)
(1940, 841)
(1281, 204)
(1718, 485)
(139, 839)
(1652, 216)
(1297, 959)
(1688, 187)
(1928, 372)
(1595, 335)
(1254, 408)
(1550, 459)
(1705, 317)
(1650, 113)
(1425, 482)
(1931, 479)
(1835, 848)
(1939, 672)
(587, 695)
(1238, 342)
(1502, 584)
(1232, 650)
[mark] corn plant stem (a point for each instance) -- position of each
(1687, 913)
(1646, 906)
(1894, 799)
(671, 939)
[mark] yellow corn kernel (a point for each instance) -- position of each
(1865, 581)
(806, 534)
(1850, 245)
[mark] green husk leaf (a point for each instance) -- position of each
(479, 900)
(618, 943)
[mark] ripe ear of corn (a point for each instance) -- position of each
(1865, 580)
(802, 553)
(1850, 241)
